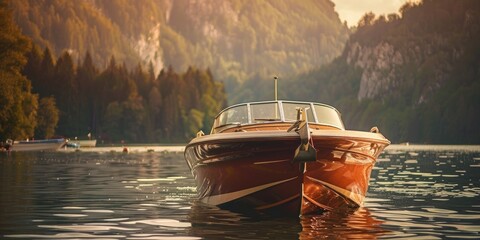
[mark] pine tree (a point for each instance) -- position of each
(66, 92)
(86, 74)
(46, 78)
(33, 70)
(47, 118)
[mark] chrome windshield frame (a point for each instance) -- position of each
(281, 109)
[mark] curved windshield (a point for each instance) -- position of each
(235, 115)
(285, 111)
(265, 112)
(290, 111)
(328, 116)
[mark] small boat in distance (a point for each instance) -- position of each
(85, 143)
(283, 157)
(37, 145)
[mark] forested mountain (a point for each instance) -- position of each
(123, 70)
(235, 39)
(96, 65)
(416, 75)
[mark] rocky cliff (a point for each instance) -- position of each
(417, 53)
(380, 65)
(415, 75)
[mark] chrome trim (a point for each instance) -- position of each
(315, 113)
(269, 135)
(282, 113)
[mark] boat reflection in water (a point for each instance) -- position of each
(359, 224)
(211, 222)
(283, 157)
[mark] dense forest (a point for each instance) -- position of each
(416, 75)
(118, 104)
(43, 97)
(237, 40)
(125, 71)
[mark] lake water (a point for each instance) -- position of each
(416, 192)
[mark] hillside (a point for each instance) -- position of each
(416, 75)
(235, 39)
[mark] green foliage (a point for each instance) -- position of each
(76, 26)
(47, 118)
(66, 91)
(113, 121)
(19, 106)
(121, 105)
(193, 122)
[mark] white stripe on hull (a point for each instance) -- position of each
(227, 197)
(275, 161)
(356, 197)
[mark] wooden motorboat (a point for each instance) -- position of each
(38, 145)
(283, 157)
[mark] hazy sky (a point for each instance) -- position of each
(352, 10)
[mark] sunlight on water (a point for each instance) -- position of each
(87, 228)
(435, 195)
(69, 215)
(411, 161)
(161, 222)
(66, 236)
(415, 192)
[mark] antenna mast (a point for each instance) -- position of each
(275, 78)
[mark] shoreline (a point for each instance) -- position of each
(130, 149)
(134, 148)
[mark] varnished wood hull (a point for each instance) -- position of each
(255, 171)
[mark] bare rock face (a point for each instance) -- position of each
(386, 67)
(148, 48)
(379, 65)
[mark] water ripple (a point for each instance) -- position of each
(161, 222)
(413, 194)
(66, 236)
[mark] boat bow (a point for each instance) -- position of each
(292, 158)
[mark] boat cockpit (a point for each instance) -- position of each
(247, 114)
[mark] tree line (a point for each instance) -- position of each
(118, 104)
(44, 97)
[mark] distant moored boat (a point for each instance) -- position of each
(85, 143)
(38, 145)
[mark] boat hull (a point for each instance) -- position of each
(38, 145)
(255, 171)
(85, 143)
